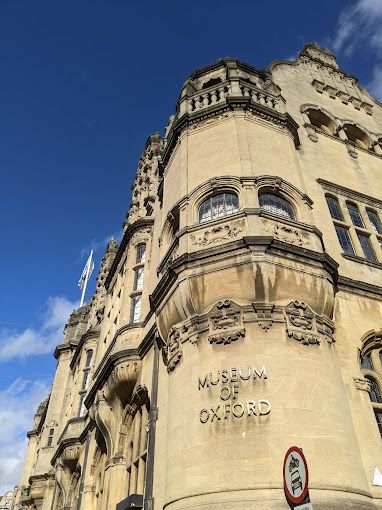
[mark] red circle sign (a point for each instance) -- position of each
(295, 475)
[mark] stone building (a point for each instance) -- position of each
(241, 313)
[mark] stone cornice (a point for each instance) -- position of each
(349, 193)
(140, 223)
(61, 348)
(354, 286)
(72, 420)
(270, 244)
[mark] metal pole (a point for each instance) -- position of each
(86, 278)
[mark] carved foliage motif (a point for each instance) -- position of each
(174, 351)
(226, 324)
(301, 323)
(286, 234)
(218, 234)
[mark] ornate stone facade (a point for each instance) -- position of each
(240, 314)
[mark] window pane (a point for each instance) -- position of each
(355, 216)
(138, 278)
(366, 247)
(136, 309)
(334, 208)
(367, 363)
(344, 239)
(380, 243)
(89, 357)
(81, 408)
(50, 441)
(218, 206)
(85, 380)
(141, 254)
(276, 205)
(378, 417)
(375, 222)
(51, 432)
(380, 356)
(375, 392)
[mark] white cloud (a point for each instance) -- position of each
(32, 342)
(18, 403)
(359, 23)
(375, 86)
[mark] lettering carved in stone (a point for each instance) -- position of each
(301, 323)
(226, 324)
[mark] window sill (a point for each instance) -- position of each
(355, 258)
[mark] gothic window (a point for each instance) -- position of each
(371, 366)
(355, 215)
(89, 356)
(141, 254)
(334, 208)
(50, 437)
(137, 452)
(217, 206)
(358, 229)
(374, 221)
(138, 278)
(136, 309)
(276, 205)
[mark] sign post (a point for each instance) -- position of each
(295, 474)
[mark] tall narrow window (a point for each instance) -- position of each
(366, 247)
(367, 363)
(334, 208)
(85, 380)
(136, 309)
(138, 278)
(375, 222)
(378, 417)
(50, 437)
(355, 216)
(375, 392)
(218, 206)
(276, 205)
(141, 254)
(137, 452)
(89, 356)
(81, 407)
(345, 240)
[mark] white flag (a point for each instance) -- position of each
(88, 266)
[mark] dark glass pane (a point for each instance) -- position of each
(355, 216)
(138, 279)
(141, 254)
(89, 357)
(367, 363)
(136, 309)
(380, 356)
(375, 392)
(344, 239)
(378, 417)
(366, 247)
(375, 222)
(334, 208)
(276, 205)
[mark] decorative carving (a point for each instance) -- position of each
(285, 233)
(301, 323)
(218, 234)
(174, 351)
(226, 324)
(361, 383)
(351, 149)
(264, 314)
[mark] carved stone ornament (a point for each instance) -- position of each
(174, 350)
(218, 234)
(361, 383)
(225, 323)
(264, 315)
(351, 149)
(301, 323)
(286, 233)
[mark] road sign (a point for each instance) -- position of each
(295, 474)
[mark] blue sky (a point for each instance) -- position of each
(84, 83)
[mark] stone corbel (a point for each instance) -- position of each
(361, 383)
(225, 323)
(301, 323)
(105, 422)
(264, 315)
(351, 147)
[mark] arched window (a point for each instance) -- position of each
(357, 136)
(217, 206)
(375, 221)
(276, 205)
(375, 391)
(371, 366)
(366, 363)
(89, 356)
(322, 121)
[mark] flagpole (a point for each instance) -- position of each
(86, 279)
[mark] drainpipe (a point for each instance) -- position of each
(153, 417)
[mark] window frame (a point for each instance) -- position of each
(282, 199)
(211, 198)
